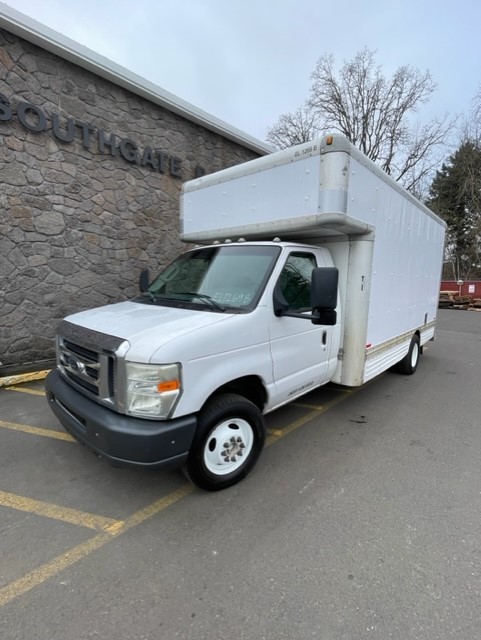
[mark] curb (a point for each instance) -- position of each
(8, 381)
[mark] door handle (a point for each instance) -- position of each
(324, 338)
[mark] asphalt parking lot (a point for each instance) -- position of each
(361, 520)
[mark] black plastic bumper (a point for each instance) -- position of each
(122, 440)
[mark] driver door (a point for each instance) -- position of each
(300, 350)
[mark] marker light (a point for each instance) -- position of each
(168, 385)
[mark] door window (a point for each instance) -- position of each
(295, 280)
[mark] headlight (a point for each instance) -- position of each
(152, 389)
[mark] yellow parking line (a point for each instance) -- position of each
(36, 431)
(72, 516)
(274, 437)
(304, 405)
(274, 432)
(320, 407)
(317, 410)
(63, 561)
(70, 557)
(33, 392)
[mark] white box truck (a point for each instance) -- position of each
(311, 266)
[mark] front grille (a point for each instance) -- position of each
(88, 361)
(91, 388)
(81, 351)
(80, 365)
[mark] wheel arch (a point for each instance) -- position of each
(250, 387)
(418, 334)
(407, 366)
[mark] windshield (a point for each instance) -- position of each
(218, 278)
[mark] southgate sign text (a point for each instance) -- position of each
(34, 119)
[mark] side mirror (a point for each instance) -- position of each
(324, 282)
(324, 285)
(144, 280)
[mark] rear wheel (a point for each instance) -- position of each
(409, 363)
(229, 439)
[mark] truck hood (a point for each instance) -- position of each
(146, 327)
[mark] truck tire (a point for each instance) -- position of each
(409, 363)
(228, 441)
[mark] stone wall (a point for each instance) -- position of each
(82, 212)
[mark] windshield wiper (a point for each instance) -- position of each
(153, 296)
(204, 297)
(172, 295)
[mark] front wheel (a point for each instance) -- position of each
(229, 439)
(409, 363)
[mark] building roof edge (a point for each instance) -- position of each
(39, 34)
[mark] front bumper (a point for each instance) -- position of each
(122, 440)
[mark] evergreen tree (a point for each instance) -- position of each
(455, 195)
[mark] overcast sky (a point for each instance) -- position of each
(249, 61)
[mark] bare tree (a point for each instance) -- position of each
(373, 112)
(477, 107)
(294, 128)
(472, 125)
(415, 162)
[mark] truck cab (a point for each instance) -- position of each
(236, 325)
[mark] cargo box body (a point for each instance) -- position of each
(387, 245)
